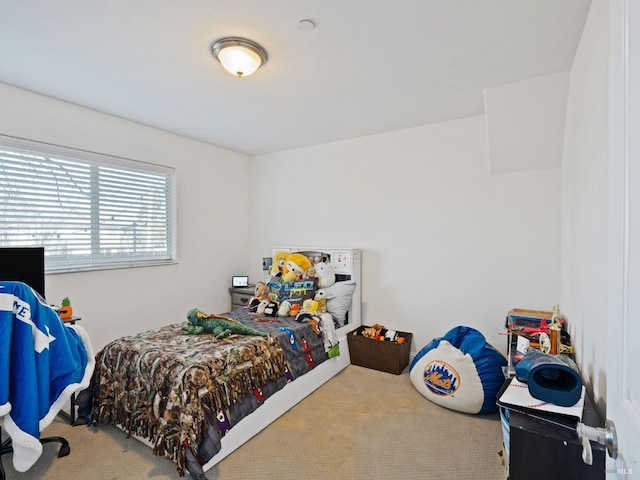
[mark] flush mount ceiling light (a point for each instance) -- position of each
(239, 56)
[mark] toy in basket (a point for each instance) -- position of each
(379, 348)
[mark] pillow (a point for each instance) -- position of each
(339, 299)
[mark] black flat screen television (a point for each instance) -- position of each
(23, 264)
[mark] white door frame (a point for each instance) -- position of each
(623, 296)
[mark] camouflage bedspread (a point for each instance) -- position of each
(178, 390)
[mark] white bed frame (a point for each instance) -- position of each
(347, 262)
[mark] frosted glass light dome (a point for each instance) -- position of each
(239, 56)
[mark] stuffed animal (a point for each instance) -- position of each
(310, 306)
(326, 275)
(295, 266)
(277, 266)
(321, 298)
(262, 306)
(373, 331)
(219, 325)
(310, 273)
(271, 309)
(66, 310)
(283, 311)
(260, 293)
(308, 315)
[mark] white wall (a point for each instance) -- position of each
(584, 202)
(445, 242)
(525, 123)
(213, 234)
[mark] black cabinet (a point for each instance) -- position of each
(546, 446)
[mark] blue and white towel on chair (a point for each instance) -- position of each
(42, 363)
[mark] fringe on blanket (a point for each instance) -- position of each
(176, 412)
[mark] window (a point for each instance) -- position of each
(89, 211)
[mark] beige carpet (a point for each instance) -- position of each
(365, 424)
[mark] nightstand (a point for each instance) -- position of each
(240, 296)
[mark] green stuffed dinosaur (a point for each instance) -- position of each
(220, 326)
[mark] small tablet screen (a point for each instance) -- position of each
(240, 281)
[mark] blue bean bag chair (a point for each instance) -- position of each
(459, 371)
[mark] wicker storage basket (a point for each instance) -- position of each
(391, 357)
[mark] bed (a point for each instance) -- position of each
(197, 398)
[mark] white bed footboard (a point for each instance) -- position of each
(280, 402)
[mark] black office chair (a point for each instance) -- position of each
(24, 351)
(6, 447)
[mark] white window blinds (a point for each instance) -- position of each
(89, 211)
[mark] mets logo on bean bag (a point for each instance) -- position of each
(441, 378)
(459, 371)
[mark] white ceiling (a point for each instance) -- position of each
(369, 66)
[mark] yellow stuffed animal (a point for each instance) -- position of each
(277, 267)
(295, 266)
(310, 306)
(321, 298)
